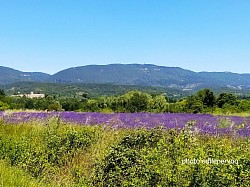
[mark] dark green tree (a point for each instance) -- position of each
(29, 103)
(206, 96)
(226, 98)
(138, 102)
(2, 92)
(55, 107)
(71, 104)
(244, 106)
(194, 104)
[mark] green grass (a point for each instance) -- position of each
(68, 155)
(16, 177)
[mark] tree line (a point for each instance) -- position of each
(204, 101)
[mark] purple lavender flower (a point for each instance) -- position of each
(204, 123)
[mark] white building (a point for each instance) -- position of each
(31, 95)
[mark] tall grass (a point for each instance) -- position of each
(56, 154)
(16, 177)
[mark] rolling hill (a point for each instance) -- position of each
(9, 75)
(133, 74)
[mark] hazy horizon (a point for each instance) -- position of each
(121, 64)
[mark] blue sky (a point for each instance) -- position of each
(51, 35)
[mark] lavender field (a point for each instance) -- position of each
(124, 149)
(202, 123)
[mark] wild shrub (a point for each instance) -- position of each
(125, 163)
(131, 157)
(61, 146)
(156, 157)
(56, 146)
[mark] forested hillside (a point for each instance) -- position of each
(134, 74)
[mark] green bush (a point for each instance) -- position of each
(125, 163)
(60, 146)
(94, 156)
(56, 148)
(157, 158)
(3, 106)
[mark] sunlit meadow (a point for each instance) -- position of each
(123, 149)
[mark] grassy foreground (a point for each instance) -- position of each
(13, 176)
(56, 154)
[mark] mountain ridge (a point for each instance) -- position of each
(10, 75)
(132, 74)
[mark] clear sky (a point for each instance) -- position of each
(51, 35)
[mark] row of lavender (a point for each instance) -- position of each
(204, 123)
